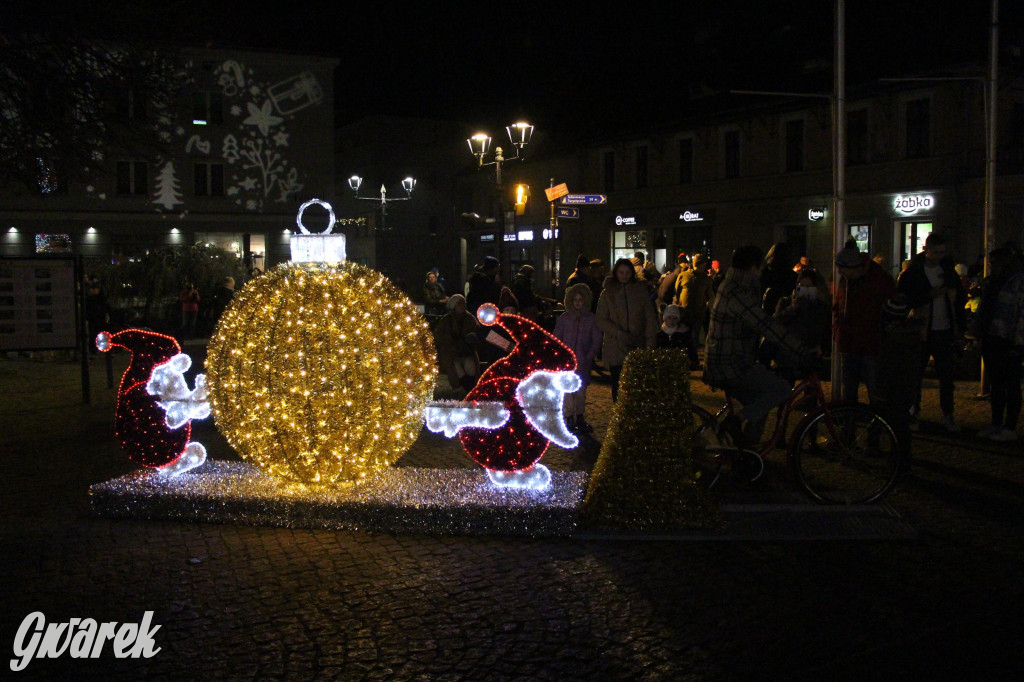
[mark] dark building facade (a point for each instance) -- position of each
(249, 141)
(760, 170)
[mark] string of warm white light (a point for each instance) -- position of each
(319, 373)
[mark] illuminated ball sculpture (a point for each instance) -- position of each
(319, 373)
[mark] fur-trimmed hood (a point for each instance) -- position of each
(582, 289)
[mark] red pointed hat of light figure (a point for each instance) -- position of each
(139, 423)
(517, 445)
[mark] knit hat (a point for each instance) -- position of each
(895, 309)
(672, 310)
(490, 262)
(453, 299)
(848, 258)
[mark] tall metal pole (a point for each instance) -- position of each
(991, 100)
(990, 140)
(839, 169)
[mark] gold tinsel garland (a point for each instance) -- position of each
(319, 373)
(644, 476)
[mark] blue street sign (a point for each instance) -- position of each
(585, 199)
(567, 212)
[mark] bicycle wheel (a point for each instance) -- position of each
(846, 455)
(707, 455)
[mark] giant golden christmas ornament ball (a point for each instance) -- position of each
(319, 373)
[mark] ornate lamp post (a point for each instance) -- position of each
(408, 184)
(519, 135)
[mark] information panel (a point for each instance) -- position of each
(37, 303)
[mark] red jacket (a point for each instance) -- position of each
(857, 312)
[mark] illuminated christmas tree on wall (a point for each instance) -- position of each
(168, 192)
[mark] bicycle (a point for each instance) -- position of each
(840, 453)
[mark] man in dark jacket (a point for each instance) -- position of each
(862, 290)
(484, 286)
(936, 295)
(522, 289)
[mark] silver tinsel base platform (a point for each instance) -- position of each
(398, 500)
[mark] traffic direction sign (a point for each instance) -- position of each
(585, 199)
(567, 212)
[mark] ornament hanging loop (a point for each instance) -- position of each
(324, 204)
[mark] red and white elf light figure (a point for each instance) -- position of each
(515, 410)
(154, 403)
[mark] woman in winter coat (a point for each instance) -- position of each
(455, 337)
(626, 318)
(577, 329)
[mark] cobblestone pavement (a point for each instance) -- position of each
(244, 603)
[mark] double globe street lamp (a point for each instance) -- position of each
(519, 134)
(408, 184)
(355, 182)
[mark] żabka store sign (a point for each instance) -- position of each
(909, 204)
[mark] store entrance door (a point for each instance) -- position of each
(912, 236)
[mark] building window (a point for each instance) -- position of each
(132, 177)
(641, 166)
(209, 179)
(794, 146)
(207, 108)
(686, 160)
(857, 143)
(609, 171)
(131, 105)
(732, 154)
(918, 128)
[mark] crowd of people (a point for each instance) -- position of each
(766, 321)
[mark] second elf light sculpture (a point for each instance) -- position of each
(514, 412)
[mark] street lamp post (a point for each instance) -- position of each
(408, 184)
(519, 134)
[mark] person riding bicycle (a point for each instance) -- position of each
(738, 324)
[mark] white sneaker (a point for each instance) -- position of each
(1004, 435)
(950, 424)
(988, 431)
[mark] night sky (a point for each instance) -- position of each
(587, 69)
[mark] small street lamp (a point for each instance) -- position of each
(355, 182)
(408, 184)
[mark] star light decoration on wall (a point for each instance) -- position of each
(154, 403)
(514, 412)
